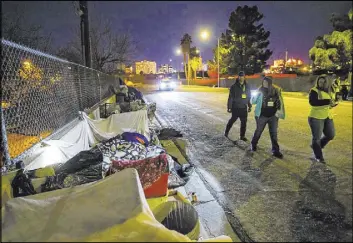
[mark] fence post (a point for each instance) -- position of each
(100, 88)
(80, 89)
(6, 155)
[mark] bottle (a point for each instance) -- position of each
(193, 197)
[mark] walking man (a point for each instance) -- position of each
(269, 108)
(239, 105)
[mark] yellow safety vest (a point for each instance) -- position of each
(321, 112)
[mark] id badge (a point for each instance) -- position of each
(270, 104)
(243, 96)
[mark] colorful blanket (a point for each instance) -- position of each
(149, 169)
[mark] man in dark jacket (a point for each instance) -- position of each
(269, 108)
(239, 105)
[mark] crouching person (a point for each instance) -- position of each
(269, 108)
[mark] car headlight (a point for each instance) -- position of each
(163, 85)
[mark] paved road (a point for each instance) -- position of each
(265, 199)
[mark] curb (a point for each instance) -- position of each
(206, 190)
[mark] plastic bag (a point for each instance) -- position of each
(87, 175)
(82, 160)
(174, 180)
(186, 171)
(53, 183)
(168, 133)
(22, 185)
(137, 105)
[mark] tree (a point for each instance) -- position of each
(195, 64)
(342, 22)
(334, 50)
(193, 52)
(185, 43)
(108, 49)
(195, 61)
(17, 29)
(243, 46)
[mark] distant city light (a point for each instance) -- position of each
(266, 71)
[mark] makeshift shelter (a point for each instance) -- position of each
(119, 212)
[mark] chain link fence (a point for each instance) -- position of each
(42, 94)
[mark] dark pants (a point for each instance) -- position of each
(242, 114)
(272, 127)
(319, 126)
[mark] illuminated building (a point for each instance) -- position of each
(146, 67)
(291, 62)
(128, 70)
(280, 65)
(166, 69)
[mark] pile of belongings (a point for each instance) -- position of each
(157, 170)
(130, 99)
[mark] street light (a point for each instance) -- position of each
(205, 35)
(178, 52)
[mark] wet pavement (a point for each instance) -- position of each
(264, 199)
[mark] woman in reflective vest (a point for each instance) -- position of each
(321, 117)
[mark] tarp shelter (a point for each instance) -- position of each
(52, 152)
(84, 135)
(113, 209)
(135, 121)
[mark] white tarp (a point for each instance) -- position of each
(84, 135)
(135, 121)
(110, 210)
(52, 152)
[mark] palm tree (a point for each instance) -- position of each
(185, 48)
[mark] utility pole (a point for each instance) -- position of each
(85, 40)
(218, 61)
(285, 62)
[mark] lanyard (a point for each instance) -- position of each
(243, 88)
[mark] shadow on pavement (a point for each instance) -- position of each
(317, 216)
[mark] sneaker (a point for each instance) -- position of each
(278, 155)
(244, 139)
(321, 160)
(253, 148)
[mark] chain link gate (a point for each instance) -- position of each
(41, 96)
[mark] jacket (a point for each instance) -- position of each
(320, 102)
(239, 96)
(257, 100)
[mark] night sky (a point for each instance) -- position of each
(159, 26)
